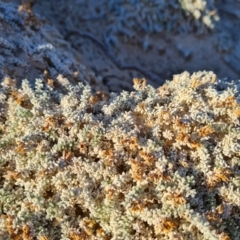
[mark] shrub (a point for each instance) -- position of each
(150, 164)
(135, 20)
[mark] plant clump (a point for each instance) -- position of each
(135, 21)
(149, 164)
(179, 16)
(29, 45)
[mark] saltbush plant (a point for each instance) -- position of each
(149, 164)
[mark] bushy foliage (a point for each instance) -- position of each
(31, 46)
(150, 164)
(147, 17)
(129, 19)
(158, 15)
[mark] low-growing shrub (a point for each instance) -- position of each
(150, 164)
